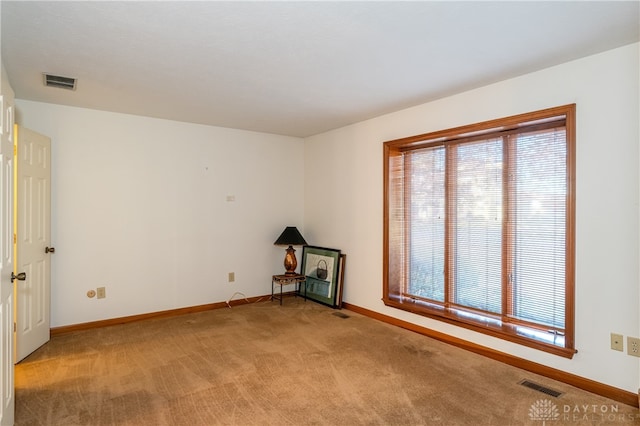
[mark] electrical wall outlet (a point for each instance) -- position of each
(617, 342)
(101, 292)
(232, 277)
(633, 346)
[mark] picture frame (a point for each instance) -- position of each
(339, 288)
(321, 267)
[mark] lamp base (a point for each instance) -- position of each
(290, 261)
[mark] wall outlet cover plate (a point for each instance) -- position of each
(617, 342)
(102, 293)
(633, 346)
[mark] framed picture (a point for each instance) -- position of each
(343, 258)
(321, 267)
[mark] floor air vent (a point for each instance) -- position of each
(540, 388)
(341, 315)
(59, 81)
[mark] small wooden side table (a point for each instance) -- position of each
(283, 280)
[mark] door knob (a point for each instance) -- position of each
(49, 249)
(20, 277)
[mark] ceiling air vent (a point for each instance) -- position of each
(59, 81)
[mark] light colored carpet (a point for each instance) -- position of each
(297, 364)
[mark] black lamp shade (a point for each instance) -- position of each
(290, 237)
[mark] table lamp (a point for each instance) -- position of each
(290, 237)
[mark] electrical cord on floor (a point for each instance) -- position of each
(244, 297)
(237, 292)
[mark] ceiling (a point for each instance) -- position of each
(292, 68)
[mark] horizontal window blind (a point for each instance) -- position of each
(478, 226)
(538, 218)
(426, 222)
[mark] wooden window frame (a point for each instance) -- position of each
(395, 259)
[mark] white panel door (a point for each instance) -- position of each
(7, 399)
(33, 251)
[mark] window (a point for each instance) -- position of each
(479, 227)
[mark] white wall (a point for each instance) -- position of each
(5, 86)
(343, 203)
(139, 206)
